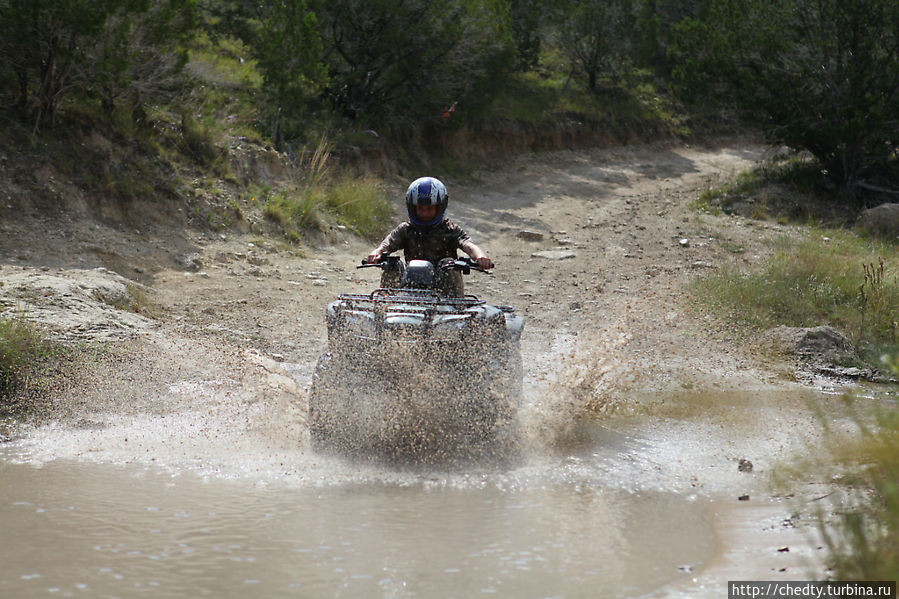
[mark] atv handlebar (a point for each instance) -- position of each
(465, 265)
(385, 262)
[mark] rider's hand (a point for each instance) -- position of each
(485, 262)
(373, 257)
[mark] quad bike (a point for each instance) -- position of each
(414, 372)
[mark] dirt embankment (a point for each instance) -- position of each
(595, 248)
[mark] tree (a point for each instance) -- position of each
(283, 37)
(655, 21)
(818, 75)
(598, 37)
(47, 41)
(51, 48)
(142, 55)
(525, 20)
(393, 61)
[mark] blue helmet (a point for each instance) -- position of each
(426, 191)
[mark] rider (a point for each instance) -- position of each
(427, 235)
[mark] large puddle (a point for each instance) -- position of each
(75, 529)
(224, 502)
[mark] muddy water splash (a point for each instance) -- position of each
(221, 495)
(582, 376)
(226, 499)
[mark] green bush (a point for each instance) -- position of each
(24, 352)
(358, 204)
(361, 205)
(816, 76)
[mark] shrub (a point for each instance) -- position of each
(863, 538)
(24, 354)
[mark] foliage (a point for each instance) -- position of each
(317, 199)
(282, 36)
(103, 48)
(655, 24)
(23, 350)
(818, 76)
(141, 58)
(597, 37)
(361, 205)
(836, 279)
(862, 535)
(356, 204)
(395, 63)
(786, 188)
(525, 17)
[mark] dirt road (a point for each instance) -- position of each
(595, 245)
(595, 248)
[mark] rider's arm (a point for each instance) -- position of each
(476, 253)
(391, 243)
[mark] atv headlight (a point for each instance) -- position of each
(449, 328)
(359, 323)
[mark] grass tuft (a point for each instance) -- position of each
(25, 354)
(831, 277)
(862, 529)
(316, 200)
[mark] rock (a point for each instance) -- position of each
(530, 235)
(189, 261)
(76, 304)
(554, 254)
(744, 465)
(684, 242)
(818, 343)
(851, 372)
(881, 220)
(257, 260)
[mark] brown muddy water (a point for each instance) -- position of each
(100, 531)
(209, 504)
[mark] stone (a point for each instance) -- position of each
(554, 254)
(821, 342)
(189, 261)
(530, 235)
(881, 220)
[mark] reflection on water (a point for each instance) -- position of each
(74, 529)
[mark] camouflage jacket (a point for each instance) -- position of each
(441, 241)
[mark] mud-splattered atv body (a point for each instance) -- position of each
(413, 373)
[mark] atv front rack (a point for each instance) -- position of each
(412, 296)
